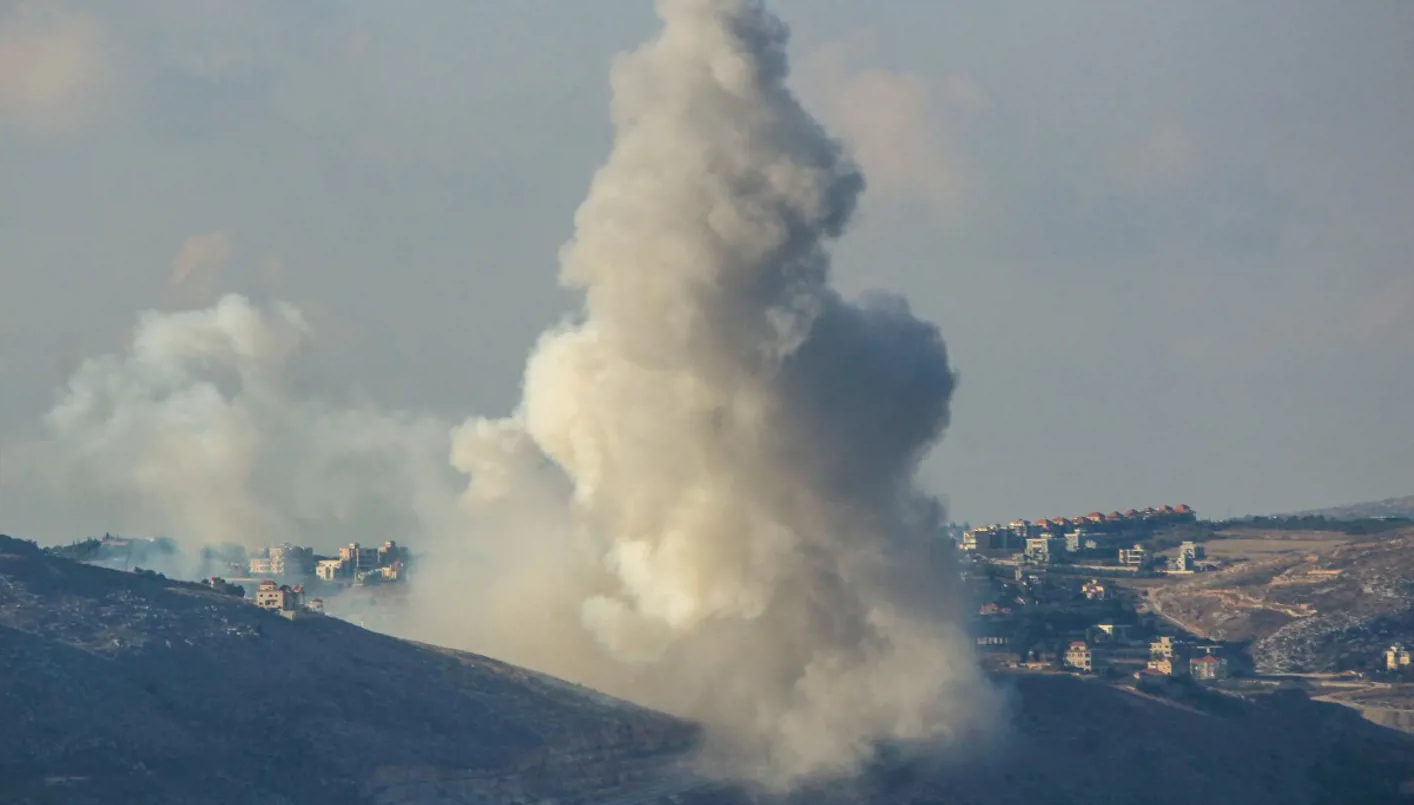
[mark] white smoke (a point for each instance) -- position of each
(706, 500)
(194, 434)
(719, 456)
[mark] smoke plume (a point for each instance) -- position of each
(709, 484)
(706, 500)
(193, 433)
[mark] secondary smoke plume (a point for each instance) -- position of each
(706, 498)
(193, 433)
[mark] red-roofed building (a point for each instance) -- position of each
(1207, 668)
(1079, 657)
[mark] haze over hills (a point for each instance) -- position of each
(1389, 507)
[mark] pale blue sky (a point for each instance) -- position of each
(1169, 245)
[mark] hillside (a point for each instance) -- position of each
(123, 688)
(1078, 740)
(1308, 602)
(1389, 507)
(127, 688)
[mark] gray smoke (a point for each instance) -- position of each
(705, 502)
(708, 489)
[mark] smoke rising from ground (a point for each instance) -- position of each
(719, 455)
(705, 501)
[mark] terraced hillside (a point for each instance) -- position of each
(1308, 604)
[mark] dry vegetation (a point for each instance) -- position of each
(1308, 602)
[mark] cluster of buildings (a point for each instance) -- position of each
(287, 561)
(354, 564)
(387, 562)
(1054, 540)
(1167, 657)
(1053, 620)
(1170, 657)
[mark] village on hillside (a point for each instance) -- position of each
(1078, 595)
(1090, 595)
(292, 580)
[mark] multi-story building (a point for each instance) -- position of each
(357, 557)
(1135, 557)
(1163, 648)
(286, 560)
(1078, 540)
(332, 569)
(1186, 560)
(1397, 658)
(384, 563)
(291, 560)
(1079, 656)
(390, 553)
(1094, 590)
(279, 597)
(1043, 550)
(991, 539)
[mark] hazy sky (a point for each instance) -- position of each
(1170, 246)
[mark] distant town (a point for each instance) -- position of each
(292, 580)
(1077, 595)
(1105, 541)
(1081, 595)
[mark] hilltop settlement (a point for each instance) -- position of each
(1159, 601)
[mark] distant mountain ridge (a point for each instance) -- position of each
(1389, 507)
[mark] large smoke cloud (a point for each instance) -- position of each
(705, 502)
(727, 447)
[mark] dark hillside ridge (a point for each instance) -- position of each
(127, 688)
(119, 687)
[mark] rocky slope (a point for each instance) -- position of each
(1325, 610)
